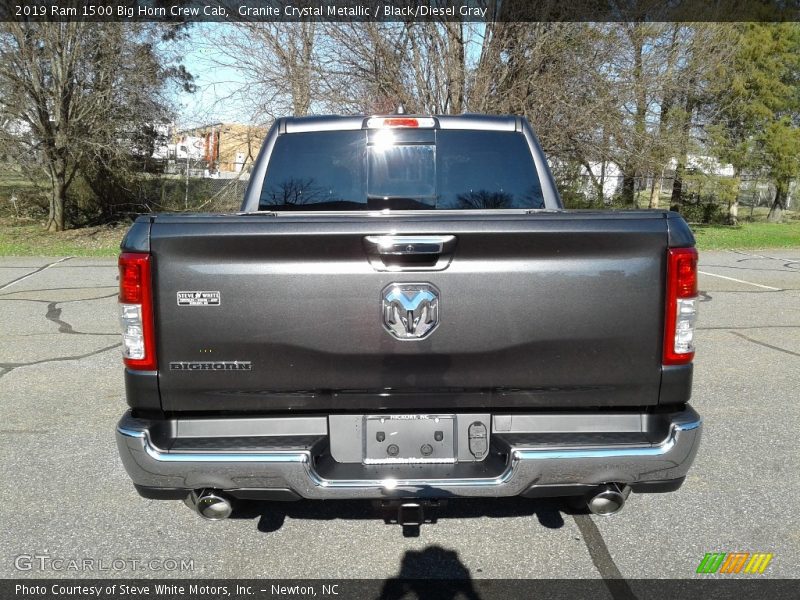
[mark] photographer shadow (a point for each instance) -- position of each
(431, 573)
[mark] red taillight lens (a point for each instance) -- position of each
(402, 122)
(136, 306)
(130, 277)
(685, 268)
(381, 122)
(681, 306)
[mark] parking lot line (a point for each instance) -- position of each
(32, 273)
(741, 386)
(766, 287)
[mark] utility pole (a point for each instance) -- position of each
(186, 192)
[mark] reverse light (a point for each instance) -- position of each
(681, 306)
(136, 311)
(380, 122)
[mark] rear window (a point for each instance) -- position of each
(398, 169)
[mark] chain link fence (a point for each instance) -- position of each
(186, 189)
(192, 188)
(129, 196)
(703, 198)
(198, 193)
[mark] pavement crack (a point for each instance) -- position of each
(114, 295)
(601, 557)
(748, 268)
(8, 367)
(20, 431)
(779, 349)
(95, 333)
(731, 329)
(59, 289)
(777, 291)
(786, 261)
(32, 273)
(54, 315)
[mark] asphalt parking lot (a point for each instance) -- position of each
(65, 494)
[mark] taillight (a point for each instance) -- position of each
(681, 306)
(136, 311)
(379, 122)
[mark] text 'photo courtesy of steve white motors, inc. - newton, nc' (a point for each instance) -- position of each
(209, 590)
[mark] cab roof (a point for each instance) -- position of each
(338, 123)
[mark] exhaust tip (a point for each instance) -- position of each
(609, 499)
(209, 504)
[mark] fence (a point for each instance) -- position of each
(703, 197)
(182, 189)
(196, 193)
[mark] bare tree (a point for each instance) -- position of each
(601, 93)
(277, 64)
(365, 70)
(376, 66)
(78, 95)
(631, 94)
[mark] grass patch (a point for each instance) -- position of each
(748, 235)
(30, 239)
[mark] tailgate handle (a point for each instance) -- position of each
(410, 245)
(409, 252)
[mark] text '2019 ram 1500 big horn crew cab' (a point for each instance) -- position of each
(403, 311)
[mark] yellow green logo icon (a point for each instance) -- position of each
(734, 562)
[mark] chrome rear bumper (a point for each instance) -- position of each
(520, 468)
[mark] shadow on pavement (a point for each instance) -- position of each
(433, 561)
(272, 515)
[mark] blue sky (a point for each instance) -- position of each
(210, 103)
(213, 102)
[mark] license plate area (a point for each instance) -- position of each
(409, 439)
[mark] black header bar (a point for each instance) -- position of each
(400, 10)
(398, 588)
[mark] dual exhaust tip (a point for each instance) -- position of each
(214, 506)
(209, 504)
(608, 499)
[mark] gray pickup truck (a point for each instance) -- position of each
(404, 312)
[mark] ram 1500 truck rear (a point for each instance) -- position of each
(403, 311)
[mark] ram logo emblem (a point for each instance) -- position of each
(410, 310)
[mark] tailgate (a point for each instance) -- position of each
(302, 312)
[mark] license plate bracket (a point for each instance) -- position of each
(409, 439)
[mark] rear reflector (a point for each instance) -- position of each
(378, 122)
(681, 306)
(136, 311)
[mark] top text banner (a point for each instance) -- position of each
(400, 10)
